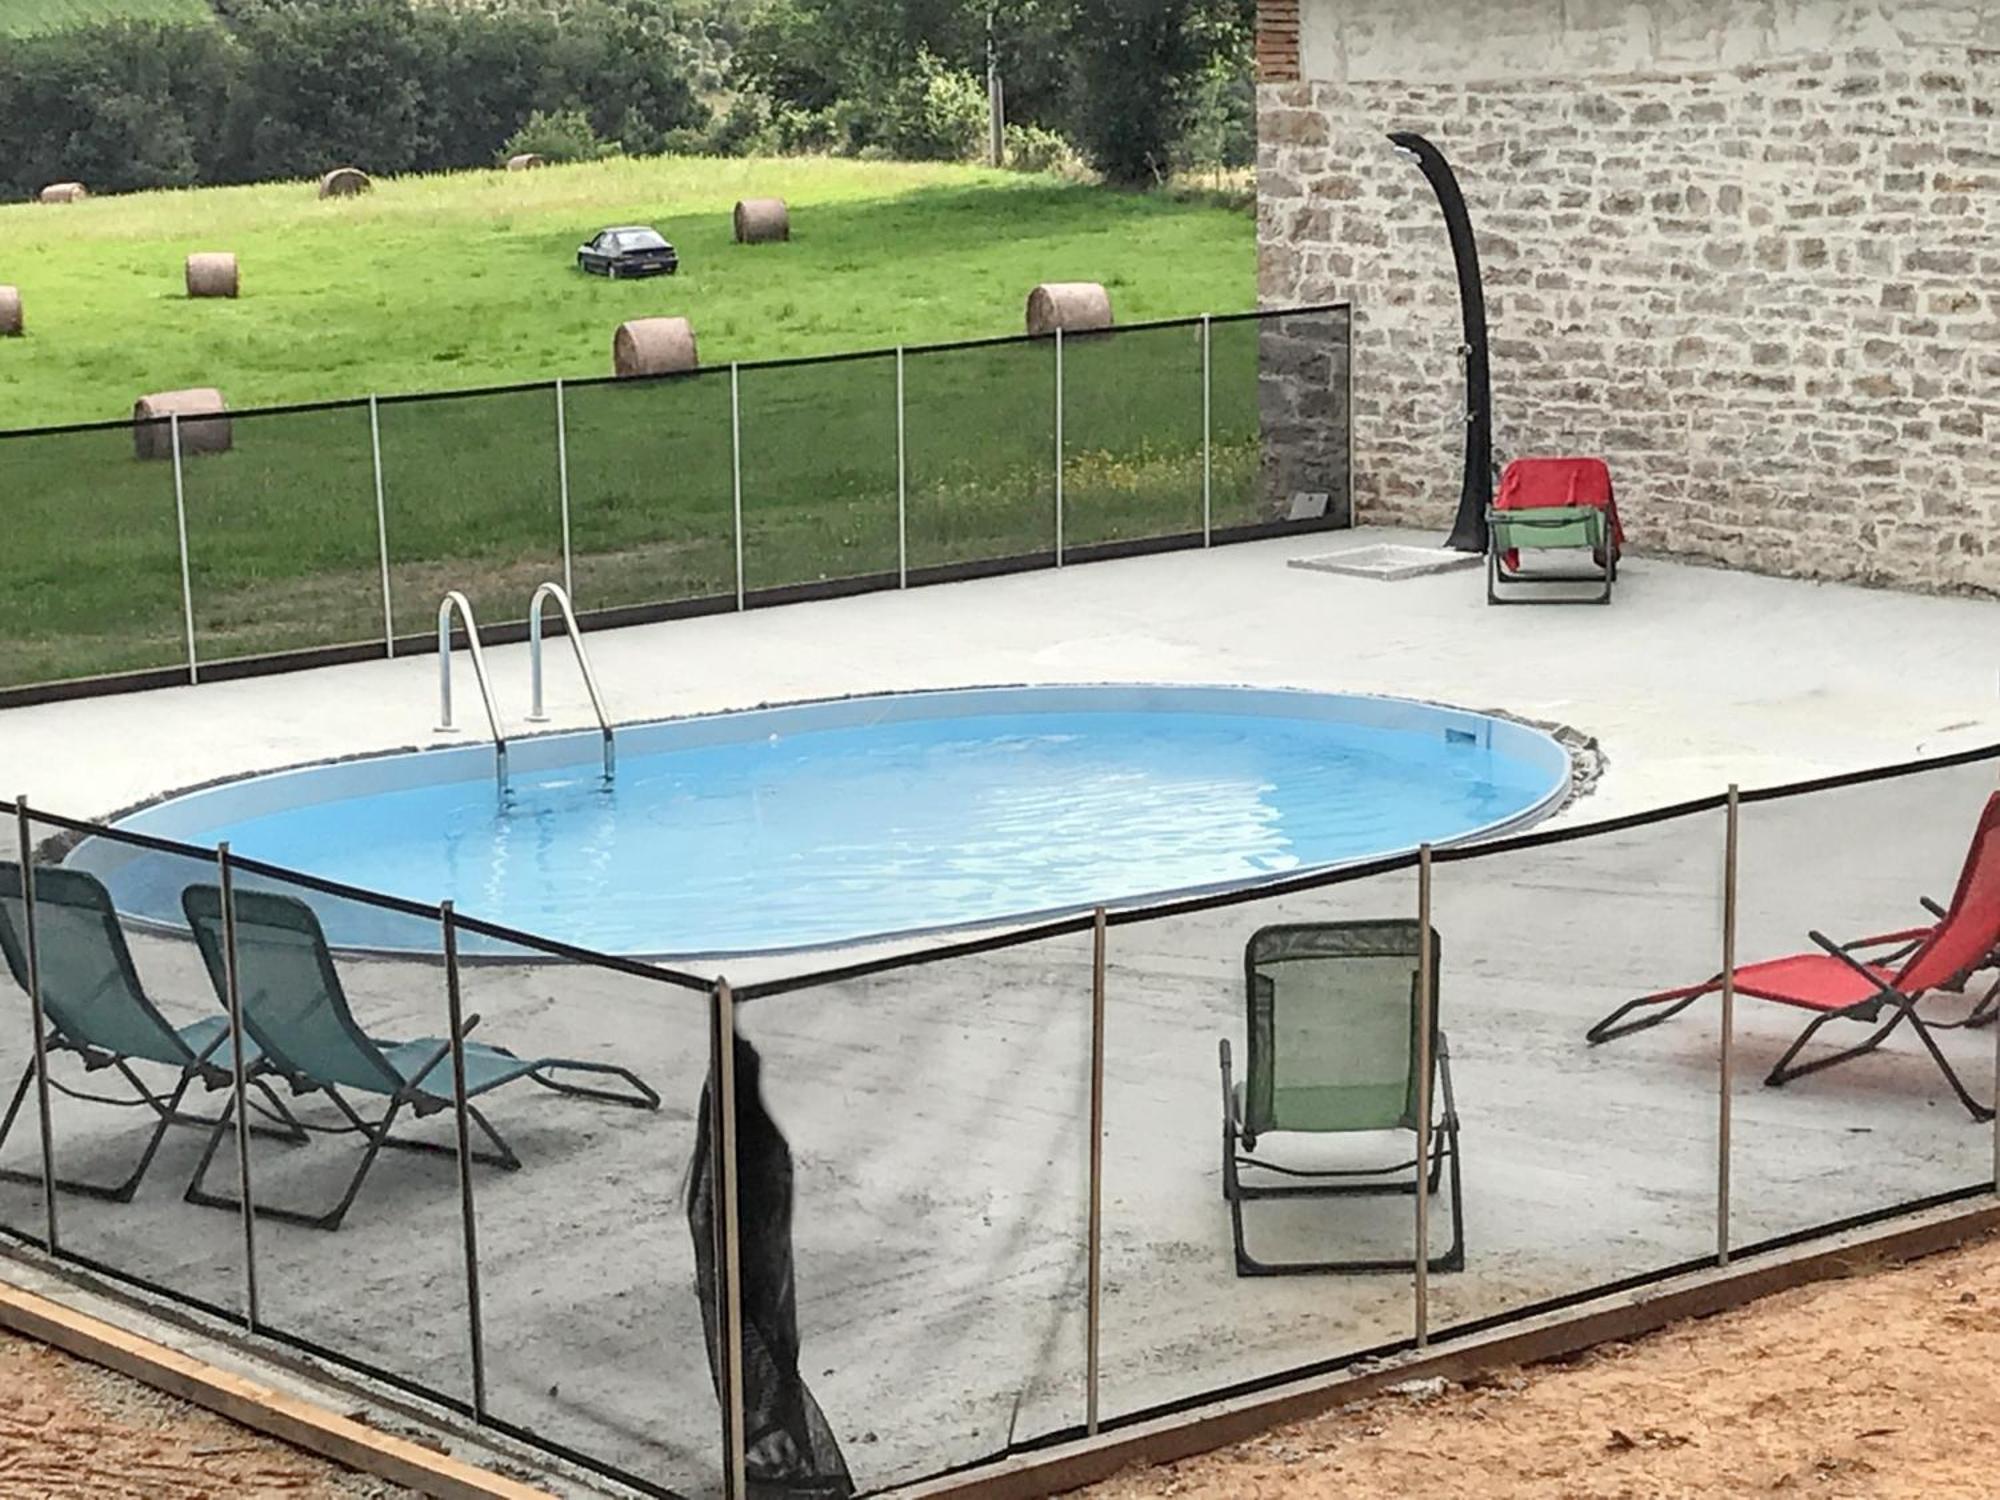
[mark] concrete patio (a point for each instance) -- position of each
(938, 1114)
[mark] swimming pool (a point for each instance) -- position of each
(824, 823)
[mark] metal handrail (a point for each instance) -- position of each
(536, 715)
(456, 600)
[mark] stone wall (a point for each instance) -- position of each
(1769, 294)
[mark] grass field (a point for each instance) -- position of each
(452, 282)
(26, 17)
(470, 279)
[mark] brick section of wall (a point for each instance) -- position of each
(1770, 296)
(1277, 40)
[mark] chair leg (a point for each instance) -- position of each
(1609, 1029)
(1782, 1072)
(1973, 1107)
(377, 1136)
(641, 1097)
(166, 1112)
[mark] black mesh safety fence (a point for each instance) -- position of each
(591, 1317)
(924, 1133)
(472, 503)
(980, 452)
(1197, 1244)
(1133, 435)
(312, 533)
(283, 550)
(1589, 1163)
(90, 578)
(819, 472)
(651, 490)
(1862, 1075)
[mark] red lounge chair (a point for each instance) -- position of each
(1840, 983)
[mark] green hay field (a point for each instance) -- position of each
(464, 281)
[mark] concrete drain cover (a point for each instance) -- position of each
(1388, 562)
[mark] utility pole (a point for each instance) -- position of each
(996, 100)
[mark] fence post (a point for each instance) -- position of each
(1426, 1019)
(36, 1019)
(1207, 435)
(475, 1327)
(1094, 1312)
(562, 485)
(181, 526)
(736, 470)
(729, 1262)
(1059, 447)
(902, 481)
(382, 530)
(1347, 419)
(1727, 1068)
(233, 999)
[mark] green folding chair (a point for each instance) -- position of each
(1554, 528)
(95, 1007)
(296, 1010)
(1334, 1015)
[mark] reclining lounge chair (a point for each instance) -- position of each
(95, 1007)
(296, 1010)
(1844, 983)
(1333, 1012)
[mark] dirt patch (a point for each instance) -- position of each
(1884, 1384)
(72, 1429)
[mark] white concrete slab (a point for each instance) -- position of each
(936, 1115)
(1693, 678)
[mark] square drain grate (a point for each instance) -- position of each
(1388, 562)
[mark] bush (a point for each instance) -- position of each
(559, 135)
(1030, 148)
(934, 113)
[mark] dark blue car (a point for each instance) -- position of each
(631, 250)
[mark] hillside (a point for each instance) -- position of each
(470, 279)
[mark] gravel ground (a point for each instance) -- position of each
(1877, 1385)
(68, 1428)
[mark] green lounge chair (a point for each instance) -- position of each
(297, 1012)
(1333, 1050)
(95, 1007)
(1553, 528)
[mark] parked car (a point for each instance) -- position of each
(630, 250)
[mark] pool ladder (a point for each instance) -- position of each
(456, 602)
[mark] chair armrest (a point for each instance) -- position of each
(1847, 958)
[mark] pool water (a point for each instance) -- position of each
(829, 823)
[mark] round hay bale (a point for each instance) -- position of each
(211, 273)
(204, 427)
(63, 192)
(653, 346)
(527, 161)
(1072, 306)
(345, 182)
(761, 221)
(10, 312)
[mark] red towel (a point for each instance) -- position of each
(1534, 483)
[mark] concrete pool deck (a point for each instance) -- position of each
(937, 1114)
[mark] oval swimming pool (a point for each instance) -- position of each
(824, 823)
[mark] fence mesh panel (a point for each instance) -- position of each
(1178, 1319)
(1132, 435)
(1585, 1165)
(936, 1122)
(134, 992)
(981, 452)
(593, 1328)
(282, 541)
(819, 472)
(90, 577)
(1883, 1128)
(473, 501)
(651, 490)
